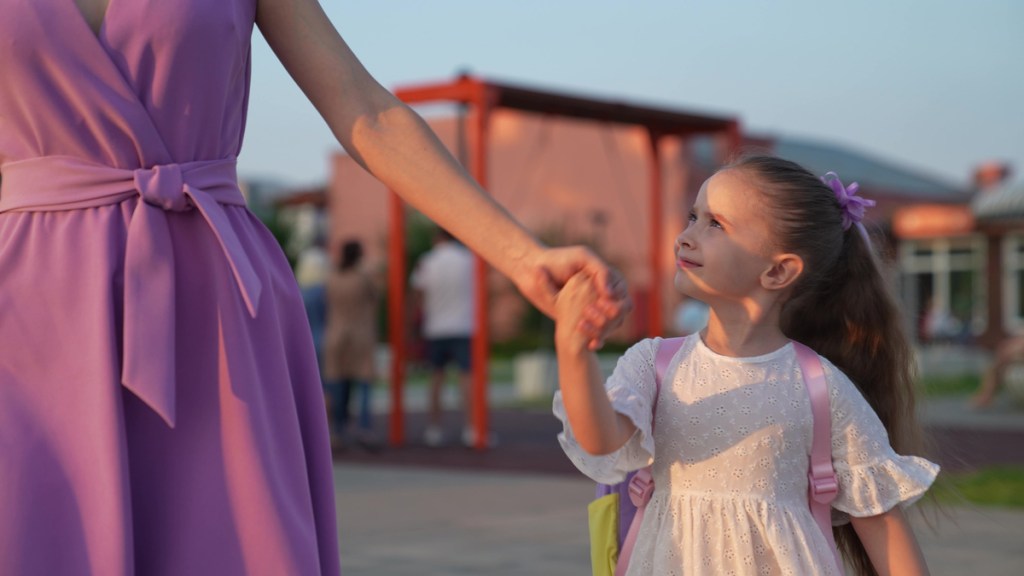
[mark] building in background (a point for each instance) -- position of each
(998, 211)
(955, 254)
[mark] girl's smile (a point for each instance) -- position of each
(685, 263)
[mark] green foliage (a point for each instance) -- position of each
(542, 403)
(281, 231)
(419, 238)
(955, 385)
(997, 486)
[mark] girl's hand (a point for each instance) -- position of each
(552, 268)
(571, 307)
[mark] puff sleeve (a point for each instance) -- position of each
(873, 478)
(631, 389)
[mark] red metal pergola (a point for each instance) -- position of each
(483, 98)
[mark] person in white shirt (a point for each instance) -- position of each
(443, 281)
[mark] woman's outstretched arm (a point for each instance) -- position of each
(395, 145)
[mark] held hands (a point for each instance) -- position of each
(575, 314)
(550, 274)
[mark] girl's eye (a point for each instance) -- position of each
(692, 219)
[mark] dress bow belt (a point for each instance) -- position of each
(53, 183)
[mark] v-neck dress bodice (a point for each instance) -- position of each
(160, 402)
(162, 82)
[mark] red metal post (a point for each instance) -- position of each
(481, 336)
(654, 314)
(396, 315)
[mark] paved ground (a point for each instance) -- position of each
(444, 522)
(411, 521)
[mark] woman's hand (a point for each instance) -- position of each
(541, 279)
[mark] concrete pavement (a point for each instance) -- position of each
(406, 521)
(421, 522)
(422, 512)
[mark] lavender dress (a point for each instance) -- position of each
(160, 407)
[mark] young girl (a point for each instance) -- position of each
(776, 253)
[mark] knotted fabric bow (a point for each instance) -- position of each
(853, 206)
(52, 183)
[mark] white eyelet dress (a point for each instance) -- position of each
(730, 453)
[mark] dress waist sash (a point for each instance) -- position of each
(54, 183)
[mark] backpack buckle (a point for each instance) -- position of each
(823, 488)
(641, 487)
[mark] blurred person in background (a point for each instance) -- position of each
(443, 284)
(311, 271)
(1009, 352)
(350, 347)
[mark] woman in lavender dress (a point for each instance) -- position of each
(160, 408)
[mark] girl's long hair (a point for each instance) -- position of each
(841, 306)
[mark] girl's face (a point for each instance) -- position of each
(727, 243)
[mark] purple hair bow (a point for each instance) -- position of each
(853, 206)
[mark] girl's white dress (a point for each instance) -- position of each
(732, 439)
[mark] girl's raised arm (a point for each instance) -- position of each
(597, 427)
(395, 145)
(890, 543)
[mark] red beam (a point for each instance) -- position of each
(463, 89)
(663, 120)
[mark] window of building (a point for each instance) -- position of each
(1013, 282)
(943, 287)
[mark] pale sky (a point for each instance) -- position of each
(936, 86)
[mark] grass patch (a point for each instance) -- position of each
(956, 385)
(539, 403)
(997, 486)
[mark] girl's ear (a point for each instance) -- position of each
(785, 270)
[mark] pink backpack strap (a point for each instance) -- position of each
(666, 350)
(641, 486)
(822, 483)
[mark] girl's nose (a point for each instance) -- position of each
(683, 239)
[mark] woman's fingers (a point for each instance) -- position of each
(554, 269)
(615, 286)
